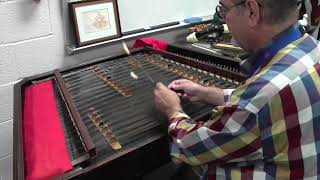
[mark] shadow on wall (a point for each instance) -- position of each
(28, 9)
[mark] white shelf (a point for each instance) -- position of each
(72, 49)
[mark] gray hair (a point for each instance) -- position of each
(278, 11)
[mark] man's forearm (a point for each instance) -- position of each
(214, 96)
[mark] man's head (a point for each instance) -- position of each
(254, 22)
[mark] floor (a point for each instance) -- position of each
(173, 172)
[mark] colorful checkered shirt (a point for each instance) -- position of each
(269, 128)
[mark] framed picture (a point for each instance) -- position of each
(96, 21)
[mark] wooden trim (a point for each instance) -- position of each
(89, 145)
(18, 154)
(201, 65)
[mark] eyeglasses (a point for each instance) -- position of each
(221, 11)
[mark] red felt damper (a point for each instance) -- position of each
(154, 43)
(45, 151)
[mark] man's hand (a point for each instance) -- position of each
(197, 92)
(166, 101)
(192, 90)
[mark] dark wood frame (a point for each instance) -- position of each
(90, 3)
(105, 169)
(98, 170)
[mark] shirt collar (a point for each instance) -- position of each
(263, 56)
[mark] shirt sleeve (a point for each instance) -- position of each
(227, 95)
(232, 135)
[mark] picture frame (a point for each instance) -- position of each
(95, 21)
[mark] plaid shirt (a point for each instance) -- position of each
(269, 128)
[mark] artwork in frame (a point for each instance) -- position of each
(96, 21)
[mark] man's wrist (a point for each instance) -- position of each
(178, 114)
(174, 112)
(204, 93)
(214, 96)
(174, 115)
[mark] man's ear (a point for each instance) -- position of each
(254, 12)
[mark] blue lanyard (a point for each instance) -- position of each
(280, 41)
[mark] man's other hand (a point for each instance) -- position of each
(166, 101)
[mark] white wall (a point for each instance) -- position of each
(32, 42)
(144, 13)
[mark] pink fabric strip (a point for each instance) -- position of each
(45, 151)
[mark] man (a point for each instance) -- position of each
(268, 128)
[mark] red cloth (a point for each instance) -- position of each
(154, 43)
(45, 151)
